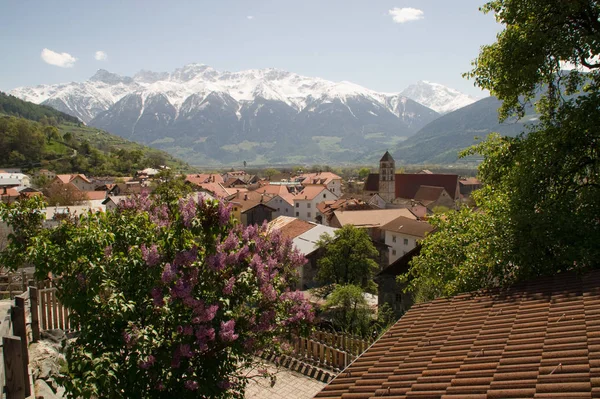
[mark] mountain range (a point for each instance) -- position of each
(261, 116)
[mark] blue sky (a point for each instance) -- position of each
(354, 40)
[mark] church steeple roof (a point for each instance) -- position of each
(387, 157)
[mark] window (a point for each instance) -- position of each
(324, 195)
(398, 298)
(297, 205)
(278, 209)
(308, 214)
(297, 214)
(393, 238)
(308, 205)
(393, 252)
(406, 241)
(234, 209)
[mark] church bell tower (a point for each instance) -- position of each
(387, 177)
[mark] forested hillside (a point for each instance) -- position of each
(34, 136)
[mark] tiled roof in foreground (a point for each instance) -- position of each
(535, 340)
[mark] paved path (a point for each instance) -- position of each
(289, 385)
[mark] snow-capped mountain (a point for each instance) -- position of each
(207, 116)
(439, 98)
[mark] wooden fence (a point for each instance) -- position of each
(348, 343)
(33, 311)
(328, 350)
(19, 327)
(14, 283)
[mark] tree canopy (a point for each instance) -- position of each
(538, 212)
(349, 258)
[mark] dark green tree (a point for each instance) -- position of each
(349, 258)
(539, 210)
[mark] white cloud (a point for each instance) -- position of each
(100, 55)
(250, 17)
(63, 60)
(402, 15)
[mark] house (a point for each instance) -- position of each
(8, 194)
(468, 185)
(251, 207)
(14, 179)
(240, 174)
(327, 208)
(202, 178)
(130, 187)
(79, 181)
(112, 202)
(372, 221)
(330, 180)
(304, 236)
(434, 196)
(537, 339)
(391, 185)
(389, 290)
(403, 234)
(280, 199)
(306, 201)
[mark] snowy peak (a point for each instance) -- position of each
(438, 97)
(102, 75)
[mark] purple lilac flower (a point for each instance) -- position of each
(226, 333)
(187, 208)
(147, 363)
(185, 350)
(229, 286)
(224, 211)
(157, 297)
(150, 255)
(169, 273)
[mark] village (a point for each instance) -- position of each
(392, 207)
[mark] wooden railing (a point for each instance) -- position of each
(320, 354)
(14, 283)
(18, 328)
(328, 350)
(347, 343)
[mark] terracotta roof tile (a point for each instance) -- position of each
(535, 340)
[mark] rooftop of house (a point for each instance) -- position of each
(428, 193)
(303, 234)
(539, 339)
(67, 178)
(200, 178)
(412, 227)
(310, 192)
(95, 195)
(274, 190)
(372, 217)
(470, 181)
(322, 178)
(248, 200)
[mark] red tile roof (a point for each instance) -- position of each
(535, 340)
(310, 192)
(201, 178)
(408, 226)
(428, 193)
(323, 178)
(95, 195)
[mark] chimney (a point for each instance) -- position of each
(262, 197)
(245, 197)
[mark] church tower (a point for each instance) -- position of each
(387, 177)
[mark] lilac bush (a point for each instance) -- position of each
(173, 300)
